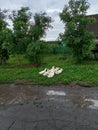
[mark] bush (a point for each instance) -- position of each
(4, 52)
(3, 56)
(34, 51)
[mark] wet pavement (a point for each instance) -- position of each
(29, 107)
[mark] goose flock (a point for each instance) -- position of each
(51, 72)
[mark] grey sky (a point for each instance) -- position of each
(52, 7)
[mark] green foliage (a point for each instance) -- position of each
(34, 52)
(76, 34)
(40, 25)
(50, 48)
(61, 48)
(26, 32)
(5, 38)
(58, 49)
(20, 21)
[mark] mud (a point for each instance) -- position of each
(12, 94)
(17, 94)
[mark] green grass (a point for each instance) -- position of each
(85, 74)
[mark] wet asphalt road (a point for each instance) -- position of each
(27, 107)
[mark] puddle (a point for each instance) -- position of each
(94, 104)
(56, 93)
(80, 100)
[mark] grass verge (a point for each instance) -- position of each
(82, 74)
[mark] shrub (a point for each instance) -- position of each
(3, 56)
(34, 51)
(4, 52)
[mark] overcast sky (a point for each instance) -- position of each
(52, 7)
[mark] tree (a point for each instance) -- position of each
(40, 25)
(36, 32)
(5, 37)
(76, 34)
(20, 21)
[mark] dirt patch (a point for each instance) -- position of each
(21, 93)
(73, 84)
(81, 84)
(85, 84)
(17, 94)
(5, 94)
(23, 81)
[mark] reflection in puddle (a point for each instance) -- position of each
(58, 93)
(94, 104)
(79, 101)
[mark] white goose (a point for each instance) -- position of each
(52, 69)
(42, 72)
(50, 73)
(58, 71)
(46, 72)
